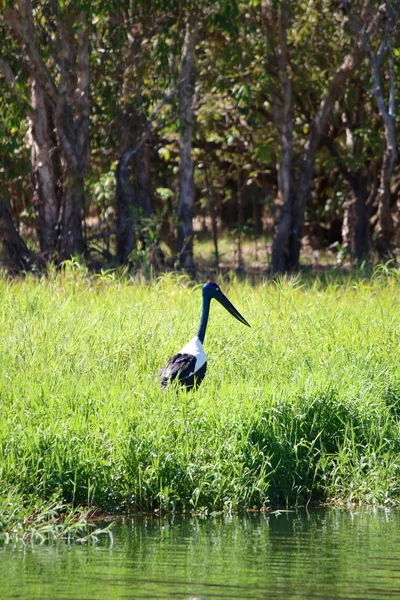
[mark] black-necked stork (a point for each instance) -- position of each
(189, 365)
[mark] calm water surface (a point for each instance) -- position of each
(332, 554)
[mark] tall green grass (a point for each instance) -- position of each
(304, 405)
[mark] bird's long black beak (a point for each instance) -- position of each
(222, 299)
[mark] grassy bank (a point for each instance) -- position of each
(305, 404)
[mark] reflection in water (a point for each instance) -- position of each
(326, 554)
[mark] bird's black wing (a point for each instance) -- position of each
(180, 366)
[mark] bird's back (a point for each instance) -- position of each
(188, 366)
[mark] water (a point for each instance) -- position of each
(325, 554)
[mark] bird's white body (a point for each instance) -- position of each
(195, 348)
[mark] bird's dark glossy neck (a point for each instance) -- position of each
(204, 319)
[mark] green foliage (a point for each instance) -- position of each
(304, 405)
(135, 54)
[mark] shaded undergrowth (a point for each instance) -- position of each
(303, 407)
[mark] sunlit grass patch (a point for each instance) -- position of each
(304, 405)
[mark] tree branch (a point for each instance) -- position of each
(148, 129)
(21, 23)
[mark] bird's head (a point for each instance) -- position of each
(212, 290)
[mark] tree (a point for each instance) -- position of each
(133, 200)
(46, 170)
(387, 113)
(295, 184)
(56, 57)
(249, 115)
(353, 128)
(186, 116)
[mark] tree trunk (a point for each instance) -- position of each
(349, 224)
(70, 102)
(133, 201)
(72, 126)
(185, 209)
(45, 164)
(356, 220)
(126, 217)
(135, 133)
(362, 242)
(142, 181)
(282, 111)
(45, 171)
(385, 231)
(16, 255)
(357, 208)
(71, 240)
(212, 211)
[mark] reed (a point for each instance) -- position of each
(30, 520)
(303, 406)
